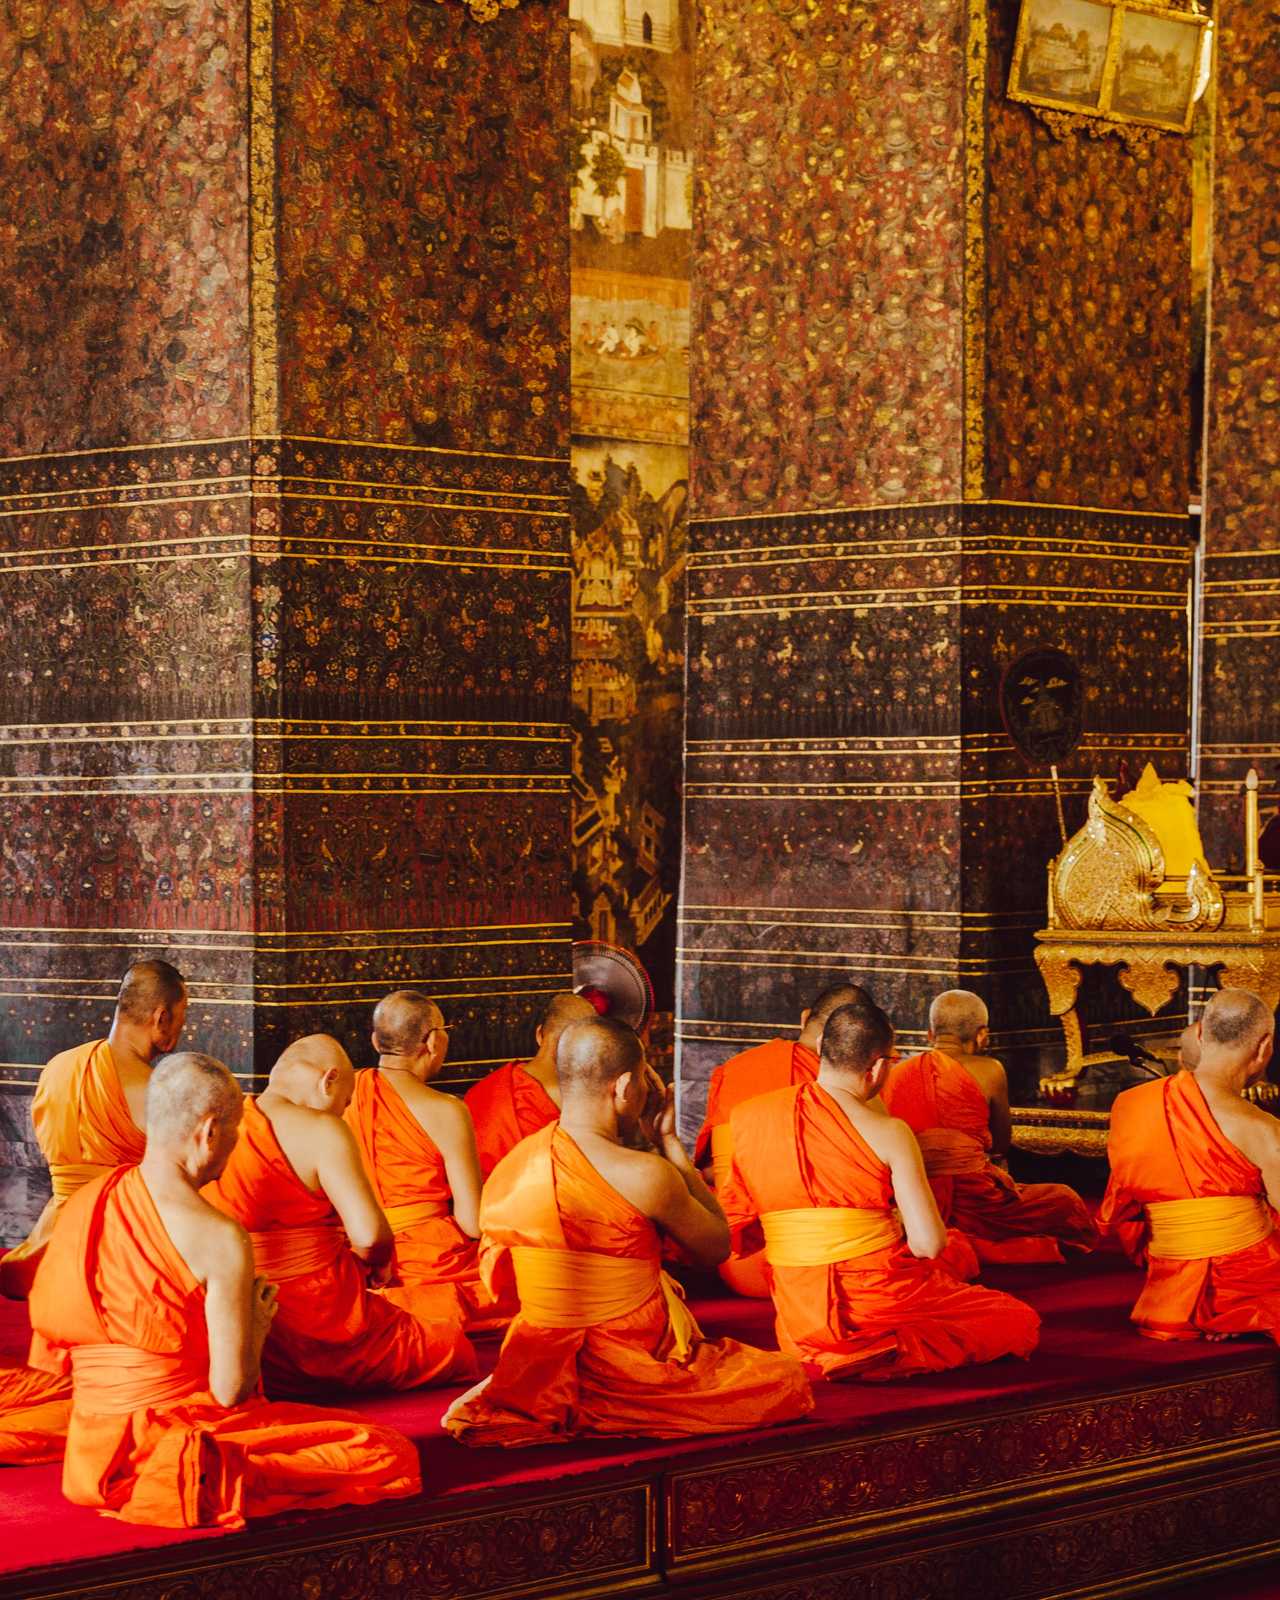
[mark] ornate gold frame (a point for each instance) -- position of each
(1105, 110)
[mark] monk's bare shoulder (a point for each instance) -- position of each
(326, 1135)
(212, 1244)
(1256, 1133)
(990, 1074)
(890, 1137)
(445, 1117)
(649, 1182)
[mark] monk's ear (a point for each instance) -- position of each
(537, 1036)
(879, 1072)
(804, 1019)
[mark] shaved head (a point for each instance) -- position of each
(1234, 1022)
(856, 1037)
(835, 995)
(958, 1014)
(149, 986)
(183, 1090)
(564, 1009)
(593, 1055)
(402, 1021)
(315, 1071)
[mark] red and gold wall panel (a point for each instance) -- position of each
(285, 522)
(1240, 705)
(1017, 307)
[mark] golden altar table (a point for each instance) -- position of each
(1113, 903)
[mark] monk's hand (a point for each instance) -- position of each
(264, 1305)
(665, 1124)
(382, 1274)
(654, 1107)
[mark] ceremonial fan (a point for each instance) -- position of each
(614, 981)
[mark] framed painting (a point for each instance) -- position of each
(1156, 66)
(1121, 60)
(1061, 52)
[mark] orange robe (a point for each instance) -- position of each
(507, 1106)
(743, 1077)
(437, 1265)
(330, 1331)
(117, 1306)
(34, 1410)
(84, 1129)
(623, 1374)
(1008, 1222)
(1164, 1144)
(885, 1314)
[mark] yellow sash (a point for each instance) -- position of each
(819, 1236)
(948, 1153)
(1217, 1225)
(285, 1253)
(721, 1154)
(412, 1213)
(68, 1176)
(582, 1289)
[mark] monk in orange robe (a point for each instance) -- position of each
(856, 1250)
(604, 1343)
(754, 1072)
(1195, 1184)
(148, 1297)
(34, 1410)
(955, 1098)
(419, 1150)
(90, 1102)
(297, 1184)
(518, 1099)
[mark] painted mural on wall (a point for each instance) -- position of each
(631, 219)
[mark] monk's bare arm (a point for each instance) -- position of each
(238, 1309)
(996, 1086)
(926, 1232)
(343, 1178)
(454, 1134)
(693, 1220)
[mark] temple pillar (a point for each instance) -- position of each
(924, 326)
(1239, 724)
(285, 549)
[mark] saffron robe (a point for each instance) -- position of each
(939, 1098)
(116, 1305)
(84, 1128)
(34, 1410)
(743, 1077)
(507, 1106)
(330, 1330)
(885, 1314)
(622, 1375)
(437, 1265)
(1164, 1144)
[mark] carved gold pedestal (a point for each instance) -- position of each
(1112, 902)
(1149, 965)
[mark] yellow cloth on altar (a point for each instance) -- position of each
(1167, 810)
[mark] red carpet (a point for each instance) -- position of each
(1087, 1345)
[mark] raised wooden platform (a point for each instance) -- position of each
(1106, 1465)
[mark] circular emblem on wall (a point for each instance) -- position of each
(1042, 705)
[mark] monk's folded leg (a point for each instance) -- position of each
(938, 1324)
(198, 1465)
(385, 1347)
(35, 1408)
(720, 1386)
